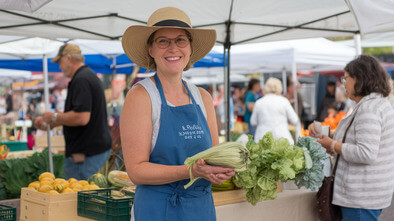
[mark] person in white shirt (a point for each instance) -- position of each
(273, 112)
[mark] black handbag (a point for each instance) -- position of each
(326, 210)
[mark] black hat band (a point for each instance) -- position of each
(172, 22)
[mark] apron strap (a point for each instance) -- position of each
(160, 88)
(162, 96)
(188, 91)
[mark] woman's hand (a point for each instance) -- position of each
(216, 175)
(328, 144)
(311, 129)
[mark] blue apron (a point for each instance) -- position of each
(183, 132)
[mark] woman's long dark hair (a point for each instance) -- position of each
(370, 76)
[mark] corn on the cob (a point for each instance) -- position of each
(228, 154)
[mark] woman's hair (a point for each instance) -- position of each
(273, 86)
(252, 82)
(151, 61)
(370, 76)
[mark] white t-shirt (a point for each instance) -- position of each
(272, 113)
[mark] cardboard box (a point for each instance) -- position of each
(57, 143)
(47, 207)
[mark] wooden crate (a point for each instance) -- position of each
(47, 207)
(228, 197)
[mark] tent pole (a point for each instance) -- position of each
(357, 44)
(24, 129)
(227, 46)
(284, 80)
(46, 95)
(227, 96)
(294, 77)
(113, 66)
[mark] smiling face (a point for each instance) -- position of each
(172, 59)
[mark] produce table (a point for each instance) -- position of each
(15, 145)
(295, 205)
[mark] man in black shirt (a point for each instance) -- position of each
(85, 126)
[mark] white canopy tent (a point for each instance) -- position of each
(385, 39)
(216, 79)
(250, 21)
(315, 54)
(235, 21)
(26, 48)
(373, 15)
(245, 21)
(23, 5)
(35, 47)
(7, 74)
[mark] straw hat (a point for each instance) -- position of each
(135, 38)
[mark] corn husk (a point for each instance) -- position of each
(227, 154)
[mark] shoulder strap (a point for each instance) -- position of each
(343, 141)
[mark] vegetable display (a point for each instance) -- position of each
(313, 176)
(47, 183)
(4, 151)
(99, 179)
(18, 173)
(272, 160)
(260, 166)
(228, 154)
(227, 185)
(119, 179)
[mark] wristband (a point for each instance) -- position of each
(54, 118)
(333, 146)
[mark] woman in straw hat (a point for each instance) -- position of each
(165, 120)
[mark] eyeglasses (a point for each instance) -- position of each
(180, 41)
(343, 79)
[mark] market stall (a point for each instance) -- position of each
(296, 205)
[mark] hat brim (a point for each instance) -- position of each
(135, 46)
(56, 59)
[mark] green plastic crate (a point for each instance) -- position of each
(7, 213)
(15, 145)
(100, 205)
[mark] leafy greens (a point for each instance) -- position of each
(272, 160)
